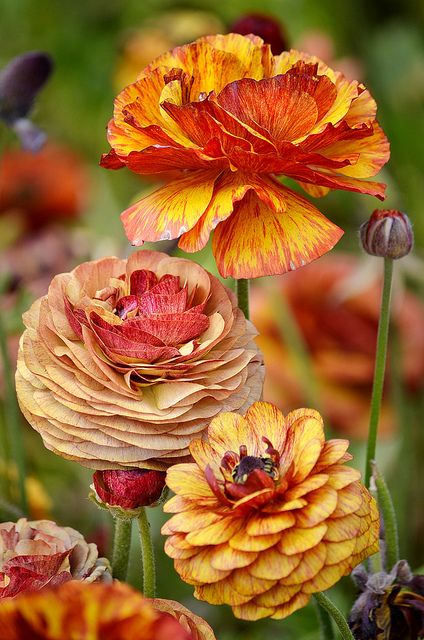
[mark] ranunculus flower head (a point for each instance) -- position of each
(229, 117)
(336, 310)
(124, 362)
(128, 489)
(96, 612)
(39, 553)
(268, 513)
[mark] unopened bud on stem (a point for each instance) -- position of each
(388, 234)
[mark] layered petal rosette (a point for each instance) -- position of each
(268, 513)
(39, 553)
(124, 362)
(97, 612)
(226, 117)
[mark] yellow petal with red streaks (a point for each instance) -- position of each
(322, 504)
(265, 419)
(349, 500)
(310, 484)
(305, 458)
(326, 578)
(224, 557)
(297, 540)
(190, 521)
(198, 569)
(273, 565)
(260, 525)
(250, 611)
(228, 431)
(297, 602)
(332, 452)
(220, 593)
(174, 552)
(244, 542)
(251, 50)
(246, 584)
(204, 454)
(257, 241)
(374, 152)
(340, 476)
(339, 551)
(278, 595)
(171, 210)
(215, 533)
(339, 529)
(187, 480)
(311, 564)
(230, 187)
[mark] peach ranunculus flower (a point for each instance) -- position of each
(95, 612)
(227, 117)
(123, 362)
(335, 303)
(268, 513)
(39, 553)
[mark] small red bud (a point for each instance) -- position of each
(129, 489)
(268, 28)
(388, 234)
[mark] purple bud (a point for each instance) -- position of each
(20, 81)
(388, 234)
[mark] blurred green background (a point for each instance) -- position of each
(384, 40)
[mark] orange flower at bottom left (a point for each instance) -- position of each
(80, 611)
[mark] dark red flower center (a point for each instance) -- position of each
(244, 468)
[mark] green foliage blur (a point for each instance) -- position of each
(86, 39)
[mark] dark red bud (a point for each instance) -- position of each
(268, 28)
(129, 489)
(388, 234)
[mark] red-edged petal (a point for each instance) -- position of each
(258, 241)
(171, 210)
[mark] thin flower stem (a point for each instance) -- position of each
(242, 288)
(389, 519)
(380, 366)
(12, 420)
(148, 556)
(325, 623)
(121, 547)
(336, 614)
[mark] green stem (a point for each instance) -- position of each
(336, 614)
(389, 519)
(121, 547)
(242, 288)
(13, 420)
(380, 366)
(148, 556)
(325, 623)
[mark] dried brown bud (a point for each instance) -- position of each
(128, 490)
(388, 234)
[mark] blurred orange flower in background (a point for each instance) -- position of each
(39, 553)
(230, 116)
(124, 362)
(268, 513)
(95, 612)
(43, 188)
(336, 310)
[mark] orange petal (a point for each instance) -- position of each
(297, 540)
(274, 565)
(265, 419)
(171, 210)
(257, 241)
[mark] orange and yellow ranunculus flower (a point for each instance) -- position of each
(81, 611)
(219, 119)
(268, 513)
